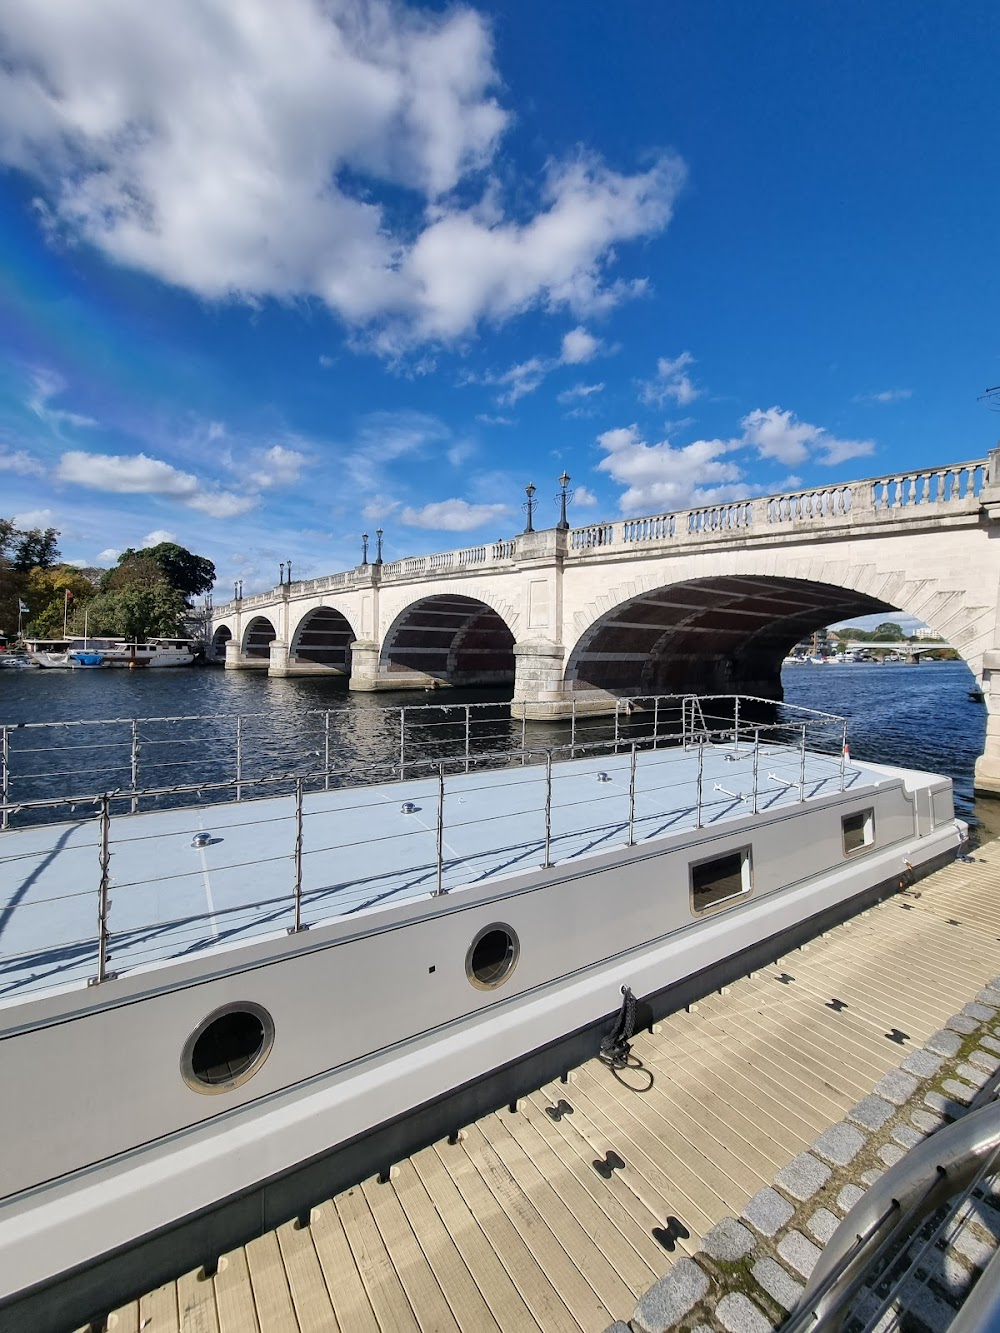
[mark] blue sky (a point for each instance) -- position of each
(274, 274)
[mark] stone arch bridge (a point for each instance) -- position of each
(706, 600)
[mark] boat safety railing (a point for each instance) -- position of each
(310, 834)
(132, 755)
(894, 1235)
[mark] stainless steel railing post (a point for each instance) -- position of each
(468, 723)
(440, 831)
(326, 750)
(736, 728)
(656, 721)
(802, 764)
(617, 716)
(524, 739)
(572, 731)
(298, 860)
(402, 744)
(756, 764)
(701, 774)
(843, 756)
(548, 808)
(4, 776)
(134, 766)
(103, 905)
(631, 799)
(239, 757)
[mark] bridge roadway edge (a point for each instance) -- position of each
(196, 1243)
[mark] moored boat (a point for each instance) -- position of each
(306, 985)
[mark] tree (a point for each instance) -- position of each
(45, 593)
(189, 574)
(888, 630)
(135, 612)
(35, 548)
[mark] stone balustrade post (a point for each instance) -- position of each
(364, 665)
(990, 497)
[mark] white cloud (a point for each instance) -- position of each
(137, 474)
(671, 382)
(46, 385)
(659, 477)
(276, 466)
(779, 434)
(461, 452)
(35, 518)
(20, 462)
(578, 346)
(453, 515)
(271, 189)
(156, 536)
(487, 420)
(584, 497)
(886, 396)
(579, 391)
(109, 556)
(521, 379)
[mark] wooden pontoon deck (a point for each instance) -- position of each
(513, 1228)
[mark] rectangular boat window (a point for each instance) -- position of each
(721, 879)
(859, 831)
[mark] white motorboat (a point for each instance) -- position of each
(88, 651)
(213, 1016)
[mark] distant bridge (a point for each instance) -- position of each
(706, 599)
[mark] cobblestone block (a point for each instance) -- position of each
(801, 1253)
(823, 1224)
(961, 1092)
(872, 1112)
(618, 1327)
(990, 1043)
(982, 1013)
(839, 1144)
(926, 1120)
(671, 1297)
(803, 1176)
(728, 1241)
(907, 1137)
(869, 1177)
(971, 1073)
(984, 1059)
(891, 1153)
(985, 1216)
(972, 1248)
(848, 1197)
(768, 1211)
(922, 1063)
(989, 996)
(737, 1314)
(944, 1043)
(944, 1105)
(778, 1284)
(994, 984)
(962, 1023)
(897, 1086)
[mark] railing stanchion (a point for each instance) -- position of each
(656, 721)
(843, 756)
(802, 764)
(756, 765)
(548, 808)
(631, 800)
(134, 765)
(572, 731)
(440, 831)
(524, 738)
(617, 716)
(402, 744)
(736, 728)
(298, 860)
(701, 774)
(4, 776)
(468, 724)
(239, 757)
(326, 750)
(103, 905)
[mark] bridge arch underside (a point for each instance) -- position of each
(220, 638)
(258, 637)
(713, 635)
(450, 640)
(324, 637)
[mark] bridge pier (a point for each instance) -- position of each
(987, 776)
(237, 661)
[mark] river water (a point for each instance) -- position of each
(914, 716)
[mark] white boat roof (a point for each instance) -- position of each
(360, 852)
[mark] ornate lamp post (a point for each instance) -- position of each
(563, 498)
(281, 576)
(364, 548)
(288, 566)
(378, 549)
(529, 505)
(238, 590)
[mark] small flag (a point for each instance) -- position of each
(67, 596)
(847, 753)
(21, 606)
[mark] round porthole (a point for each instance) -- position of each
(492, 957)
(227, 1048)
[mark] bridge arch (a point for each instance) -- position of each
(718, 633)
(258, 637)
(450, 638)
(217, 648)
(324, 635)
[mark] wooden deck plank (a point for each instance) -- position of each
(350, 1300)
(306, 1284)
(456, 1282)
(123, 1320)
(158, 1311)
(498, 1288)
(427, 1301)
(196, 1303)
(269, 1281)
(385, 1291)
(234, 1294)
(529, 1272)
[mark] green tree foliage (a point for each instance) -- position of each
(21, 549)
(190, 574)
(45, 593)
(887, 631)
(135, 611)
(35, 548)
